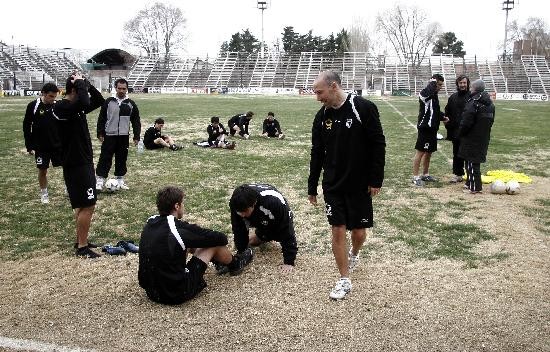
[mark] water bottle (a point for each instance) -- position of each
(140, 147)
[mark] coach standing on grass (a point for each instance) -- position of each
(349, 145)
(78, 164)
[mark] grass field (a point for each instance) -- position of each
(436, 224)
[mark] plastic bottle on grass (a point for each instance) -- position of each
(140, 147)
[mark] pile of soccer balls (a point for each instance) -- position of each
(510, 187)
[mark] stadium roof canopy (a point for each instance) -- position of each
(111, 59)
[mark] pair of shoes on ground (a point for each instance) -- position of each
(121, 248)
(236, 267)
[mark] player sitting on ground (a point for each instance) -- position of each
(164, 271)
(217, 133)
(271, 127)
(153, 139)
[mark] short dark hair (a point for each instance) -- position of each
(121, 80)
(50, 88)
(160, 121)
(167, 198)
(243, 197)
(270, 114)
(249, 114)
(215, 119)
(330, 77)
(438, 77)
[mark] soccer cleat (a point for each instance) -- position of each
(428, 178)
(122, 184)
(418, 182)
(87, 253)
(353, 260)
(44, 198)
(240, 261)
(342, 288)
(100, 181)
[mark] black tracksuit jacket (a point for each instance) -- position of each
(349, 145)
(475, 128)
(40, 128)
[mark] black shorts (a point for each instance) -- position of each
(154, 146)
(43, 159)
(194, 278)
(426, 141)
(352, 209)
(80, 182)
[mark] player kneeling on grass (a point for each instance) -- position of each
(164, 271)
(217, 133)
(263, 207)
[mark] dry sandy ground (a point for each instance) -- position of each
(397, 304)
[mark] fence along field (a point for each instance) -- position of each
(412, 225)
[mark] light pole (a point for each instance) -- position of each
(507, 5)
(262, 5)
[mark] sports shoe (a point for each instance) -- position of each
(44, 198)
(241, 261)
(281, 136)
(175, 147)
(86, 252)
(90, 245)
(353, 260)
(122, 184)
(129, 246)
(99, 182)
(418, 182)
(428, 178)
(456, 179)
(113, 250)
(221, 269)
(342, 288)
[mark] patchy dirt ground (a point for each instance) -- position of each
(396, 303)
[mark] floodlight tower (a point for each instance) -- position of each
(262, 5)
(507, 5)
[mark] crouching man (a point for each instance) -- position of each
(164, 271)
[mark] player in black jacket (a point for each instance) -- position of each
(348, 144)
(216, 134)
(239, 124)
(41, 135)
(429, 117)
(113, 129)
(453, 111)
(271, 127)
(164, 271)
(264, 208)
(154, 139)
(78, 164)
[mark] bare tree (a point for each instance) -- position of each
(359, 36)
(156, 29)
(536, 31)
(409, 32)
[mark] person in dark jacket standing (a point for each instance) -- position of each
(239, 124)
(475, 133)
(164, 271)
(113, 129)
(429, 117)
(271, 127)
(77, 159)
(453, 111)
(348, 144)
(41, 135)
(264, 208)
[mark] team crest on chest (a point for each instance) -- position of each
(349, 122)
(328, 124)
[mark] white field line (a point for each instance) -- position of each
(511, 109)
(29, 345)
(449, 160)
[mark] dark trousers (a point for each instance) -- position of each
(474, 176)
(458, 162)
(117, 146)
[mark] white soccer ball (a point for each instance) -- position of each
(112, 185)
(512, 187)
(498, 187)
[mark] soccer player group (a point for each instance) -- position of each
(348, 145)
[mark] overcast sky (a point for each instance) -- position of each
(98, 24)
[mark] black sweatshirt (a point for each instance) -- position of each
(73, 126)
(272, 219)
(40, 128)
(162, 259)
(349, 145)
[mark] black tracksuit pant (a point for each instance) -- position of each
(474, 176)
(458, 162)
(117, 146)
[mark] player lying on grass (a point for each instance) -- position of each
(164, 271)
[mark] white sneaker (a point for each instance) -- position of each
(99, 183)
(44, 198)
(281, 136)
(353, 260)
(122, 184)
(342, 288)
